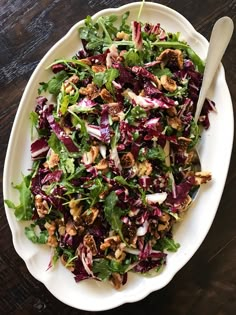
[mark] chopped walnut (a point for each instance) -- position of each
(52, 241)
(202, 177)
(185, 204)
(144, 168)
(168, 83)
(116, 280)
(162, 227)
(50, 227)
(90, 215)
(106, 96)
(192, 157)
(127, 160)
(90, 243)
(171, 58)
(184, 142)
(122, 35)
(70, 228)
(91, 91)
(175, 122)
(62, 230)
(119, 254)
(41, 206)
(164, 217)
(111, 241)
(86, 61)
(69, 89)
(153, 230)
(75, 208)
(90, 157)
(172, 111)
(102, 165)
(115, 110)
(52, 161)
(157, 82)
(130, 234)
(98, 68)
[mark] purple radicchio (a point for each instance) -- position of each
(137, 35)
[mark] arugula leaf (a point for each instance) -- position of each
(95, 190)
(122, 181)
(132, 58)
(43, 87)
(41, 238)
(83, 133)
(99, 79)
(54, 143)
(199, 64)
(180, 92)
(69, 165)
(101, 268)
(194, 134)
(156, 153)
(65, 99)
(34, 122)
(168, 244)
(160, 72)
(55, 257)
(89, 32)
(110, 75)
(135, 114)
(104, 267)
(23, 211)
(124, 26)
(113, 213)
(54, 85)
(107, 25)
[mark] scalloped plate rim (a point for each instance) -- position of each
(16, 241)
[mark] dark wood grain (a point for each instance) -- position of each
(207, 284)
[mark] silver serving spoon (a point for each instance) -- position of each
(220, 37)
(219, 40)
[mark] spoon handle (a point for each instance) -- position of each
(220, 37)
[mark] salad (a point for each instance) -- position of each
(113, 150)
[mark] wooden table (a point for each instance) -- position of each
(207, 284)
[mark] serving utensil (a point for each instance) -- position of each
(219, 40)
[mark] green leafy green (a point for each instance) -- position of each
(106, 78)
(34, 122)
(24, 210)
(95, 190)
(124, 26)
(135, 114)
(160, 72)
(110, 75)
(122, 181)
(107, 25)
(156, 153)
(54, 143)
(168, 244)
(65, 99)
(54, 85)
(113, 213)
(43, 87)
(132, 58)
(99, 79)
(40, 238)
(89, 32)
(101, 268)
(194, 134)
(104, 268)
